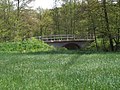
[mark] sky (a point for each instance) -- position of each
(46, 4)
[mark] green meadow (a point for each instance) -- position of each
(68, 70)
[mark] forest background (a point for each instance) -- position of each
(101, 18)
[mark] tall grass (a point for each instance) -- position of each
(60, 71)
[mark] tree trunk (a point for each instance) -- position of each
(18, 8)
(107, 26)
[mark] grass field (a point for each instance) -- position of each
(60, 71)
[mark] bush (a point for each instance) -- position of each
(101, 47)
(30, 45)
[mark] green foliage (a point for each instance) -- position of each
(102, 46)
(30, 45)
(78, 17)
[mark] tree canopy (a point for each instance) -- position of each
(100, 18)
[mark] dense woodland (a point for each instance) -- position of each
(18, 21)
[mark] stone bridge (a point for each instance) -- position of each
(75, 44)
(69, 41)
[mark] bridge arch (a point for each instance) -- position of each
(71, 46)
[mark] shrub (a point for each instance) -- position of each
(30, 45)
(101, 46)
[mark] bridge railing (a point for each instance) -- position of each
(69, 37)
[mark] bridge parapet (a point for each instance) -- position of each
(54, 38)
